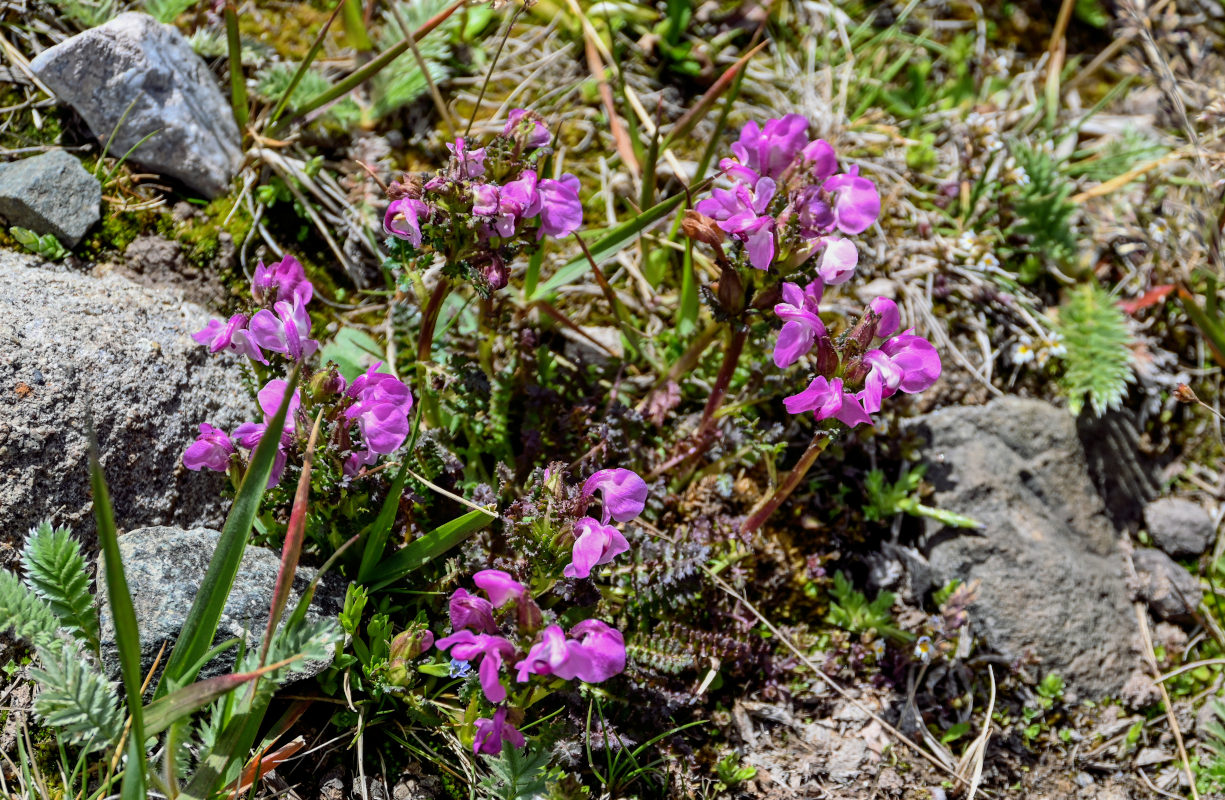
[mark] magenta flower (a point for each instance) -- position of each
(373, 388)
(622, 493)
(249, 434)
(545, 656)
(802, 327)
(823, 397)
(403, 219)
(283, 280)
(485, 199)
(518, 200)
(286, 332)
(471, 163)
(272, 395)
(917, 358)
(381, 412)
(770, 150)
(561, 211)
(469, 611)
(500, 586)
(466, 646)
(597, 652)
(741, 211)
(491, 733)
(838, 260)
(819, 159)
(231, 336)
(519, 120)
(890, 319)
(211, 450)
(856, 201)
(594, 544)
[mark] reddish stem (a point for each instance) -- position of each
(757, 518)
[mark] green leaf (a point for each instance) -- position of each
(25, 614)
(380, 529)
(1098, 345)
(76, 700)
(200, 625)
(56, 572)
(169, 709)
(353, 351)
(127, 633)
(428, 547)
(612, 242)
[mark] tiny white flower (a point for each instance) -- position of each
(878, 649)
(1157, 231)
(923, 649)
(988, 262)
(1023, 350)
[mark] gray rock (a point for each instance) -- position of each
(1179, 527)
(1051, 575)
(136, 61)
(164, 567)
(74, 346)
(1169, 590)
(50, 193)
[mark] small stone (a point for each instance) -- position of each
(1179, 527)
(138, 67)
(164, 567)
(1139, 692)
(50, 193)
(1170, 591)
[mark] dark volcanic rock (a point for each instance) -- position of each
(1179, 527)
(50, 193)
(1052, 585)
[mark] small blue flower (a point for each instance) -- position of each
(460, 669)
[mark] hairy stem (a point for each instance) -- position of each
(425, 344)
(765, 510)
(731, 359)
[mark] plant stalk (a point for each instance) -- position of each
(731, 360)
(764, 511)
(425, 344)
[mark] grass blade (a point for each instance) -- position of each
(423, 550)
(238, 81)
(614, 241)
(201, 623)
(377, 64)
(307, 60)
(380, 529)
(127, 634)
(694, 115)
(165, 711)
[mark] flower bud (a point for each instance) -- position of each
(530, 618)
(827, 357)
(856, 373)
(325, 384)
(864, 331)
(407, 186)
(701, 228)
(406, 646)
(731, 291)
(1184, 394)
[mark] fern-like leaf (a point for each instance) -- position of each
(75, 699)
(25, 614)
(1098, 357)
(1044, 212)
(518, 774)
(56, 572)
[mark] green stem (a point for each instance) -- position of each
(731, 359)
(757, 518)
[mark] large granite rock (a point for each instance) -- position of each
(50, 193)
(164, 567)
(136, 61)
(1052, 577)
(74, 346)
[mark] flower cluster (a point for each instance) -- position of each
(488, 204)
(285, 328)
(787, 200)
(852, 376)
(371, 415)
(623, 495)
(592, 651)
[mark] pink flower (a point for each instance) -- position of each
(231, 336)
(518, 200)
(381, 412)
(466, 646)
(890, 319)
(286, 332)
(856, 201)
(823, 397)
(917, 358)
(740, 211)
(545, 656)
(594, 544)
(561, 211)
(471, 163)
(272, 395)
(770, 150)
(469, 611)
(485, 199)
(838, 260)
(211, 450)
(622, 492)
(520, 120)
(492, 733)
(819, 158)
(403, 219)
(249, 435)
(286, 278)
(802, 327)
(597, 652)
(500, 586)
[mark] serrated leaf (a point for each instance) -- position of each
(56, 572)
(76, 700)
(1098, 349)
(24, 614)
